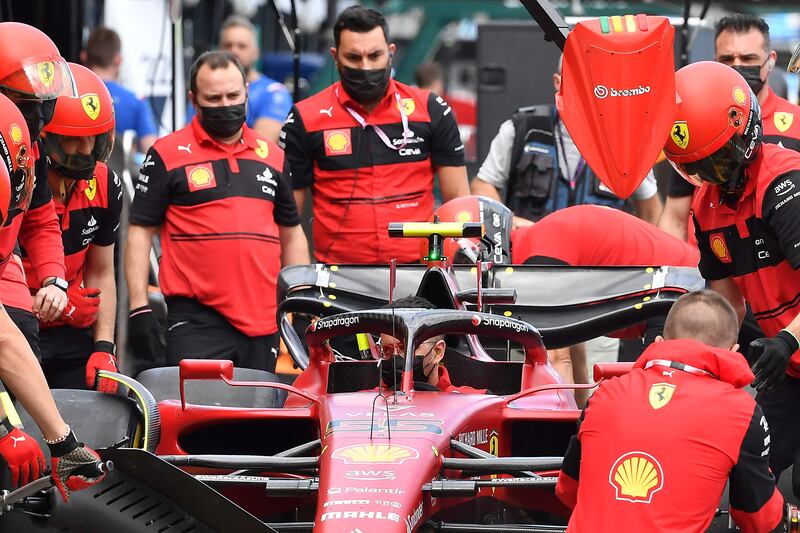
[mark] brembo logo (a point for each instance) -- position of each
(499, 323)
(335, 321)
(601, 91)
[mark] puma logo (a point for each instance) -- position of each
(17, 439)
(667, 373)
(187, 148)
(72, 310)
(328, 112)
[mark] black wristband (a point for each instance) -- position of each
(789, 339)
(6, 427)
(64, 447)
(104, 346)
(139, 311)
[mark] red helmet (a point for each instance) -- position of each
(5, 194)
(86, 121)
(32, 72)
(495, 246)
(717, 130)
(15, 150)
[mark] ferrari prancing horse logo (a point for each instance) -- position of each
(680, 134)
(91, 105)
(661, 394)
(782, 120)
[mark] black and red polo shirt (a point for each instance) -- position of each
(781, 121)
(755, 238)
(219, 207)
(660, 463)
(594, 235)
(37, 230)
(88, 216)
(359, 184)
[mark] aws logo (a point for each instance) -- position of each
(636, 477)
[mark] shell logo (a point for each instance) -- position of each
(739, 95)
(338, 142)
(636, 476)
(720, 249)
(464, 216)
(200, 176)
(358, 454)
(15, 133)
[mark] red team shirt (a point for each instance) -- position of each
(219, 208)
(661, 462)
(359, 184)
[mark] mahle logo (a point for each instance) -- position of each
(601, 91)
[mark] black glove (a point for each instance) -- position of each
(145, 336)
(769, 358)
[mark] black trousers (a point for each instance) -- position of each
(65, 352)
(28, 324)
(196, 331)
(780, 406)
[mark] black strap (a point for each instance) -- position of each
(531, 124)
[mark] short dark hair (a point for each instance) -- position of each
(360, 20)
(214, 59)
(427, 73)
(102, 47)
(705, 316)
(410, 302)
(741, 23)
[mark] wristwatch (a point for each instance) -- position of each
(58, 282)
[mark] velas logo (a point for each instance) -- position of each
(357, 454)
(719, 247)
(15, 132)
(335, 321)
(601, 91)
(337, 142)
(91, 105)
(636, 477)
(499, 323)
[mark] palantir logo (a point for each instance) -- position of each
(600, 91)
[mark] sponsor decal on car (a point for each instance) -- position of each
(358, 454)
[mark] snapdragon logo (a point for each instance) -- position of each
(335, 321)
(601, 91)
(499, 323)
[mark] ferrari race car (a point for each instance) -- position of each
(341, 450)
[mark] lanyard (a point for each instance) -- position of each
(680, 366)
(573, 179)
(381, 134)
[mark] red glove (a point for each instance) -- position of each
(83, 304)
(23, 455)
(102, 359)
(74, 466)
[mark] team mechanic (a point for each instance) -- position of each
(223, 201)
(628, 469)
(746, 221)
(369, 147)
(742, 42)
(33, 73)
(88, 198)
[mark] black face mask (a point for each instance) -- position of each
(223, 122)
(81, 167)
(365, 86)
(752, 75)
(37, 114)
(392, 369)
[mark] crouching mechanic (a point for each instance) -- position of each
(656, 446)
(88, 199)
(428, 367)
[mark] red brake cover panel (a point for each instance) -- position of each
(617, 97)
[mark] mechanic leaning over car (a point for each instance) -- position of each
(88, 198)
(368, 147)
(222, 199)
(428, 366)
(741, 42)
(593, 235)
(32, 74)
(746, 216)
(661, 463)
